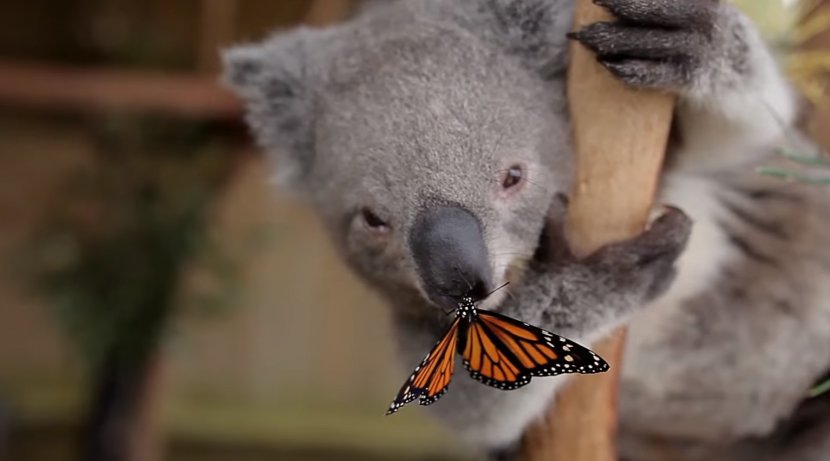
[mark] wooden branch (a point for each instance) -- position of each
(620, 137)
(60, 88)
(73, 89)
(146, 435)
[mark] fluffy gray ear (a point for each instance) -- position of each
(271, 79)
(533, 30)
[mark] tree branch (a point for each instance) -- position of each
(620, 137)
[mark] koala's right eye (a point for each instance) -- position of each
(373, 222)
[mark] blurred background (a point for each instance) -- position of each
(158, 300)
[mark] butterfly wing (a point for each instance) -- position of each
(432, 377)
(505, 353)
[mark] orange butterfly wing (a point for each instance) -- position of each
(505, 353)
(432, 377)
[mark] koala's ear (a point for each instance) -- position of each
(533, 30)
(272, 79)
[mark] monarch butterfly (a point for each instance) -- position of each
(498, 351)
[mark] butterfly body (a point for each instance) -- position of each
(467, 309)
(497, 351)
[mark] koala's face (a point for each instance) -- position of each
(431, 156)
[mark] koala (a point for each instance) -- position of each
(431, 137)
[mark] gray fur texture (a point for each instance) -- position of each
(421, 101)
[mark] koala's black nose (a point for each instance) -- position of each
(449, 251)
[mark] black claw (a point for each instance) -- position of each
(668, 234)
(665, 13)
(618, 68)
(650, 47)
(613, 67)
(656, 249)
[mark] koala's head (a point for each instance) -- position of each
(430, 135)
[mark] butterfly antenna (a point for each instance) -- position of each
(461, 274)
(497, 289)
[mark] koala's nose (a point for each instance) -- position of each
(449, 251)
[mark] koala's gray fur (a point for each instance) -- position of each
(419, 103)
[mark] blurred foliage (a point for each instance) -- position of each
(158, 34)
(790, 25)
(821, 389)
(111, 250)
(125, 32)
(810, 69)
(141, 34)
(776, 18)
(816, 168)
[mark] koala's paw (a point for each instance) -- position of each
(657, 44)
(645, 263)
(583, 296)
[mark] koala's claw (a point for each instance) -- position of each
(670, 234)
(664, 13)
(648, 74)
(604, 287)
(666, 237)
(617, 40)
(649, 258)
(655, 43)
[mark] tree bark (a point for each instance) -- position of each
(620, 137)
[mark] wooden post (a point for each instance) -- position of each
(146, 438)
(327, 12)
(820, 117)
(620, 137)
(217, 27)
(51, 87)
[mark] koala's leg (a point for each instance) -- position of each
(734, 100)
(805, 436)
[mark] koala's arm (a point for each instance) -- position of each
(578, 299)
(587, 299)
(738, 99)
(733, 99)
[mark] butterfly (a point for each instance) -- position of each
(498, 351)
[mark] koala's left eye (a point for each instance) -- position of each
(373, 222)
(513, 177)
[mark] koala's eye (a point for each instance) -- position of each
(373, 222)
(513, 177)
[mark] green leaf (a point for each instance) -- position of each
(111, 251)
(805, 159)
(820, 389)
(794, 176)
